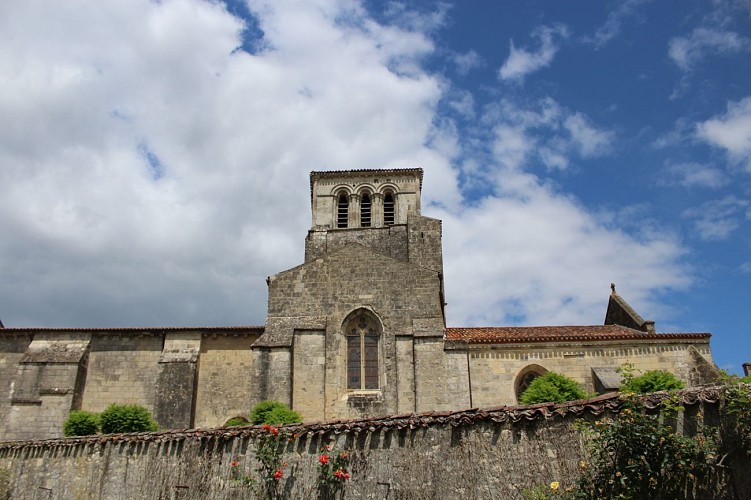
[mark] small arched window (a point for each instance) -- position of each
(525, 378)
(388, 209)
(342, 211)
(365, 211)
(362, 333)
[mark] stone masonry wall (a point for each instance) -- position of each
(47, 383)
(403, 296)
(390, 240)
(495, 371)
(123, 369)
(488, 454)
(225, 379)
(12, 349)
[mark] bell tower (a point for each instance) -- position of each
(339, 340)
(361, 199)
(379, 209)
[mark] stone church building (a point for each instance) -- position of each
(356, 330)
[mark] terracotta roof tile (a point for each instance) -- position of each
(527, 334)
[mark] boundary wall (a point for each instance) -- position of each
(493, 453)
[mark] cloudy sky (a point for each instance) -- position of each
(154, 155)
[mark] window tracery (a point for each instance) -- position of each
(363, 335)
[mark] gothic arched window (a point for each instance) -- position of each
(365, 210)
(342, 211)
(525, 378)
(388, 209)
(362, 334)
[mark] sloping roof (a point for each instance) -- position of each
(140, 329)
(620, 312)
(527, 334)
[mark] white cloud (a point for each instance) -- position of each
(702, 42)
(697, 175)
(717, 219)
(534, 256)
(522, 62)
(611, 28)
(731, 131)
(588, 140)
(96, 94)
(467, 61)
(547, 132)
(89, 231)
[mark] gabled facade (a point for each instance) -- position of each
(357, 330)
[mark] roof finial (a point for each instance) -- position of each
(612, 287)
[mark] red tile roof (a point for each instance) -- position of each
(527, 334)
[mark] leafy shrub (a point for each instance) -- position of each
(234, 421)
(639, 455)
(651, 381)
(81, 423)
(126, 418)
(273, 412)
(552, 387)
(283, 415)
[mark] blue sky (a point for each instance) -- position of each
(154, 155)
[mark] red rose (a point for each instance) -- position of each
(278, 474)
(235, 463)
(324, 459)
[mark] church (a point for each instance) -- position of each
(357, 330)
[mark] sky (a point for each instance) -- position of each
(154, 155)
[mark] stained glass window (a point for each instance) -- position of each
(362, 353)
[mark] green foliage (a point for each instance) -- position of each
(649, 381)
(333, 472)
(639, 455)
(126, 418)
(235, 421)
(283, 416)
(81, 423)
(269, 452)
(738, 411)
(552, 387)
(273, 412)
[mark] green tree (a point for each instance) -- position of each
(650, 381)
(273, 412)
(235, 421)
(81, 423)
(126, 418)
(552, 387)
(639, 455)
